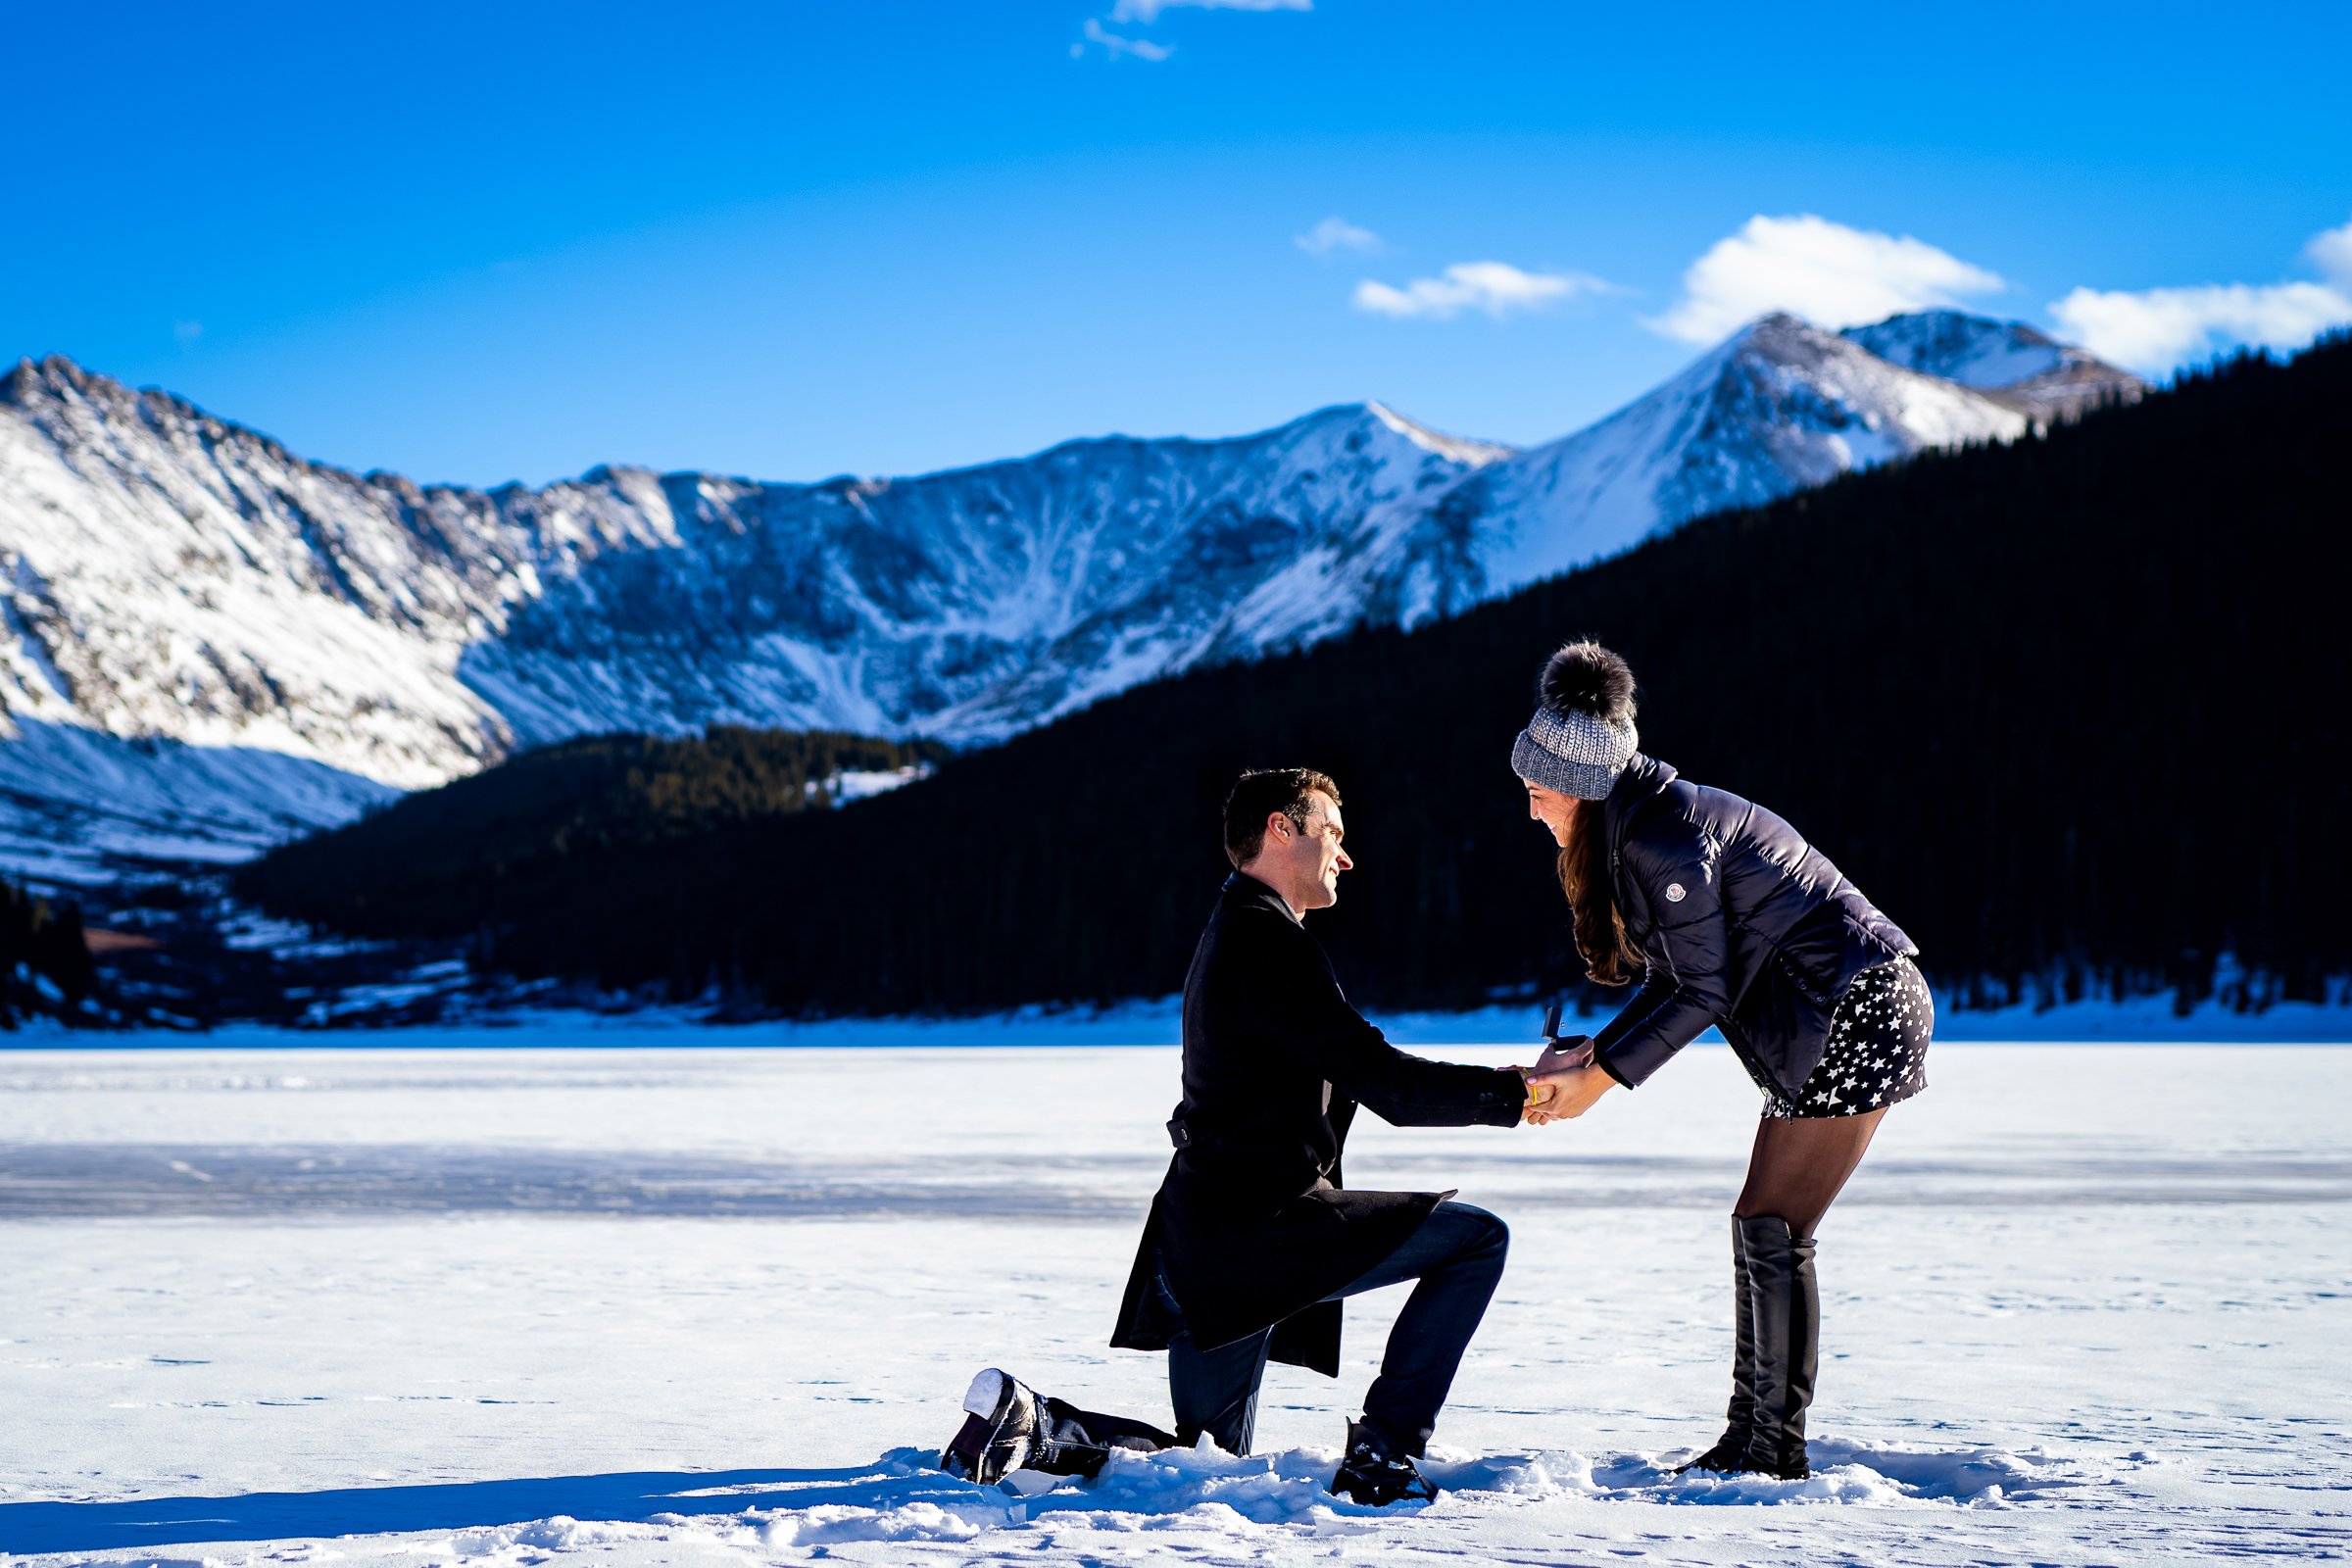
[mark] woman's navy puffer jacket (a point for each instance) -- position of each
(1742, 923)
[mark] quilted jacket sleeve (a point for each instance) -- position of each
(1675, 866)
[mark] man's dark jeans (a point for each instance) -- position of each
(1457, 1258)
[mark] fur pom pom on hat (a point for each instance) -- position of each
(1582, 733)
(1585, 677)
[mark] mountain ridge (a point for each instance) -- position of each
(1906, 664)
(173, 579)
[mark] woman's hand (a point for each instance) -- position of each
(1568, 1051)
(1568, 1092)
(1544, 1078)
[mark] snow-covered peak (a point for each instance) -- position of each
(166, 575)
(1460, 448)
(1972, 350)
(195, 597)
(31, 381)
(1778, 405)
(2020, 364)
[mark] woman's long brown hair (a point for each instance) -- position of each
(1584, 867)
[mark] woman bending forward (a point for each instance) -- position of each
(1735, 921)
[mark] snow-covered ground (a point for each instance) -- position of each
(502, 1020)
(2084, 1303)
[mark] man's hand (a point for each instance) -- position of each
(1567, 1082)
(1544, 1095)
(1551, 1075)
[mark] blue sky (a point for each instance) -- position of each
(476, 242)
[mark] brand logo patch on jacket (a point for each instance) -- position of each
(1674, 892)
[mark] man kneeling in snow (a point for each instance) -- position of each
(1254, 1241)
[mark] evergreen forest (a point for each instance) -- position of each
(2070, 709)
(467, 858)
(45, 966)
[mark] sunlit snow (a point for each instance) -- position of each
(632, 1306)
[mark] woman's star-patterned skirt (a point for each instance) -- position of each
(1878, 1051)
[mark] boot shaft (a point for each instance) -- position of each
(1740, 1413)
(1785, 1322)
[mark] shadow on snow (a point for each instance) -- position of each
(901, 1498)
(630, 1497)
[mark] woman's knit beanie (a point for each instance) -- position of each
(1582, 733)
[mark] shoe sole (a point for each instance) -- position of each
(979, 1453)
(1376, 1500)
(1734, 1471)
(987, 1396)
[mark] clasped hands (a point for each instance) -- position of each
(1564, 1081)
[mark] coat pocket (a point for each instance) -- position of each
(1806, 984)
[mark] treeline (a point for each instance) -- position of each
(45, 968)
(2072, 711)
(510, 843)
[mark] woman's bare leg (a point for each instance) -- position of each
(1800, 1165)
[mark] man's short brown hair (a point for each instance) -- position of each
(1258, 795)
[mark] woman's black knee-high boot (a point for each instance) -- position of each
(1785, 1304)
(1731, 1449)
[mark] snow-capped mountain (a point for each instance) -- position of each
(176, 585)
(2008, 360)
(975, 602)
(210, 643)
(1777, 407)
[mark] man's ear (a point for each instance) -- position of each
(1279, 819)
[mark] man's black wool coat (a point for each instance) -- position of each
(1253, 1226)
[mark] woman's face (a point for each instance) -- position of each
(1553, 810)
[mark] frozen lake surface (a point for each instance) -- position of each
(2082, 1304)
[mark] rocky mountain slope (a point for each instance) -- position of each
(2008, 362)
(1780, 405)
(208, 643)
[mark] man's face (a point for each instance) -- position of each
(1312, 857)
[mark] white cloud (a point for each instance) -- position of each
(1829, 273)
(1115, 43)
(1144, 13)
(1495, 287)
(2332, 252)
(2159, 328)
(1147, 12)
(1336, 234)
